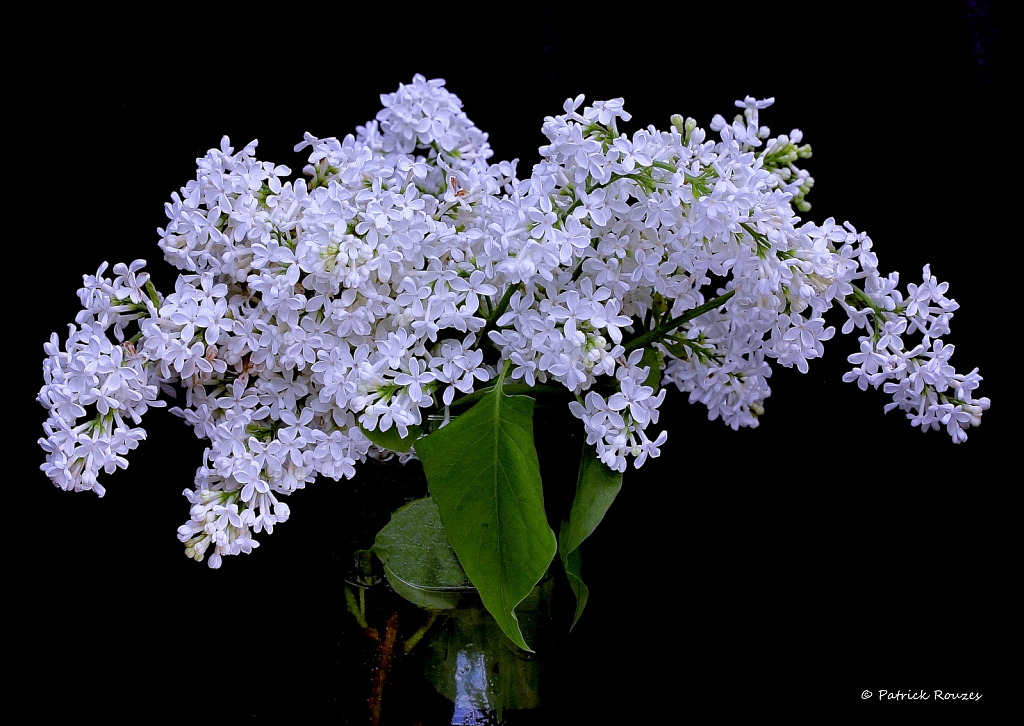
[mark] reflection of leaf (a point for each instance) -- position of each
(473, 664)
(418, 560)
(483, 473)
(392, 440)
(596, 489)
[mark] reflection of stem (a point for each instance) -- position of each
(413, 639)
(387, 651)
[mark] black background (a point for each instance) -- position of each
(833, 550)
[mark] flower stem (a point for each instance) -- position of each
(652, 336)
(499, 310)
(416, 637)
(502, 306)
(387, 651)
(353, 607)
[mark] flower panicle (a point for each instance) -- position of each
(405, 269)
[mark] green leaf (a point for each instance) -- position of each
(392, 440)
(483, 473)
(572, 561)
(596, 489)
(419, 562)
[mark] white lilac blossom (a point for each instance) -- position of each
(407, 270)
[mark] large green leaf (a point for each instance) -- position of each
(483, 473)
(418, 560)
(596, 489)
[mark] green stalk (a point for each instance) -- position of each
(499, 310)
(652, 336)
(353, 607)
(416, 637)
(503, 304)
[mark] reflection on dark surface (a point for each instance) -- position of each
(474, 665)
(472, 703)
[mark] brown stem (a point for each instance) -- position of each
(387, 651)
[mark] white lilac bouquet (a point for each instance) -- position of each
(410, 298)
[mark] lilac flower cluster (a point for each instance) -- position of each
(406, 270)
